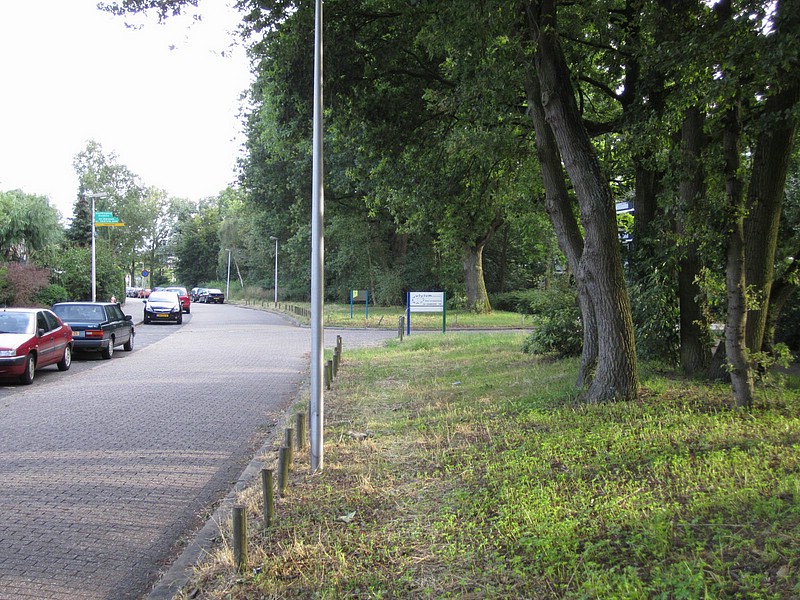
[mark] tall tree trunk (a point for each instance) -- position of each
(765, 202)
(568, 234)
(616, 377)
(477, 297)
(735, 348)
(695, 350)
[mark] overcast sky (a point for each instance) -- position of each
(163, 98)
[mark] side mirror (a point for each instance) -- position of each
(40, 332)
(129, 317)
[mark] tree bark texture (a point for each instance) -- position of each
(568, 233)
(765, 203)
(600, 267)
(477, 296)
(735, 347)
(695, 349)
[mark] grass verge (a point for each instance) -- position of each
(385, 317)
(458, 467)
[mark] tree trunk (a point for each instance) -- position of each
(477, 297)
(735, 348)
(568, 234)
(695, 350)
(765, 203)
(600, 267)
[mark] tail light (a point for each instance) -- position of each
(93, 333)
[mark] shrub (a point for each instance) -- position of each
(51, 294)
(557, 325)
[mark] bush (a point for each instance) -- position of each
(557, 325)
(51, 294)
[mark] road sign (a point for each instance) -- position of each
(145, 273)
(111, 224)
(103, 214)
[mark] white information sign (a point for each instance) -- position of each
(426, 301)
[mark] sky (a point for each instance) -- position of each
(164, 98)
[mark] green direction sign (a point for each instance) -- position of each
(105, 218)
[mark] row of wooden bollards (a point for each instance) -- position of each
(293, 438)
(332, 366)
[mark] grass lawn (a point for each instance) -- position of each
(385, 317)
(458, 467)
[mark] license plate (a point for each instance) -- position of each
(77, 334)
(163, 316)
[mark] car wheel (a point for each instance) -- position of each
(146, 319)
(30, 370)
(129, 344)
(180, 318)
(66, 360)
(188, 309)
(108, 351)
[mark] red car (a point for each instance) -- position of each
(32, 338)
(183, 296)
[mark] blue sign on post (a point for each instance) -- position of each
(145, 273)
(360, 296)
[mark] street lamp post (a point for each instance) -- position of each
(272, 237)
(94, 195)
(228, 280)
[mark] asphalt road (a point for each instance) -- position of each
(106, 470)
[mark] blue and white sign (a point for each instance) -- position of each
(426, 302)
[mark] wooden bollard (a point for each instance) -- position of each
(401, 327)
(339, 343)
(240, 538)
(328, 374)
(269, 496)
(300, 429)
(283, 471)
(288, 442)
(336, 361)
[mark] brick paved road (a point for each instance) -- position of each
(104, 473)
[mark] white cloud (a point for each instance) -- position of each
(163, 98)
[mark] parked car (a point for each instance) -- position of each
(163, 306)
(194, 295)
(212, 296)
(183, 296)
(32, 338)
(97, 326)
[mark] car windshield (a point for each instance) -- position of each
(80, 313)
(162, 297)
(11, 322)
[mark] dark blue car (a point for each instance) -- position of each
(97, 326)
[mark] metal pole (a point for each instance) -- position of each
(228, 281)
(317, 256)
(272, 237)
(94, 260)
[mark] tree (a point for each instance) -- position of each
(600, 265)
(27, 224)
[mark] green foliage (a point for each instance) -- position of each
(557, 327)
(51, 294)
(656, 315)
(27, 224)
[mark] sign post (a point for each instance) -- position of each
(360, 296)
(425, 302)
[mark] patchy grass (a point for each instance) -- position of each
(481, 477)
(385, 317)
